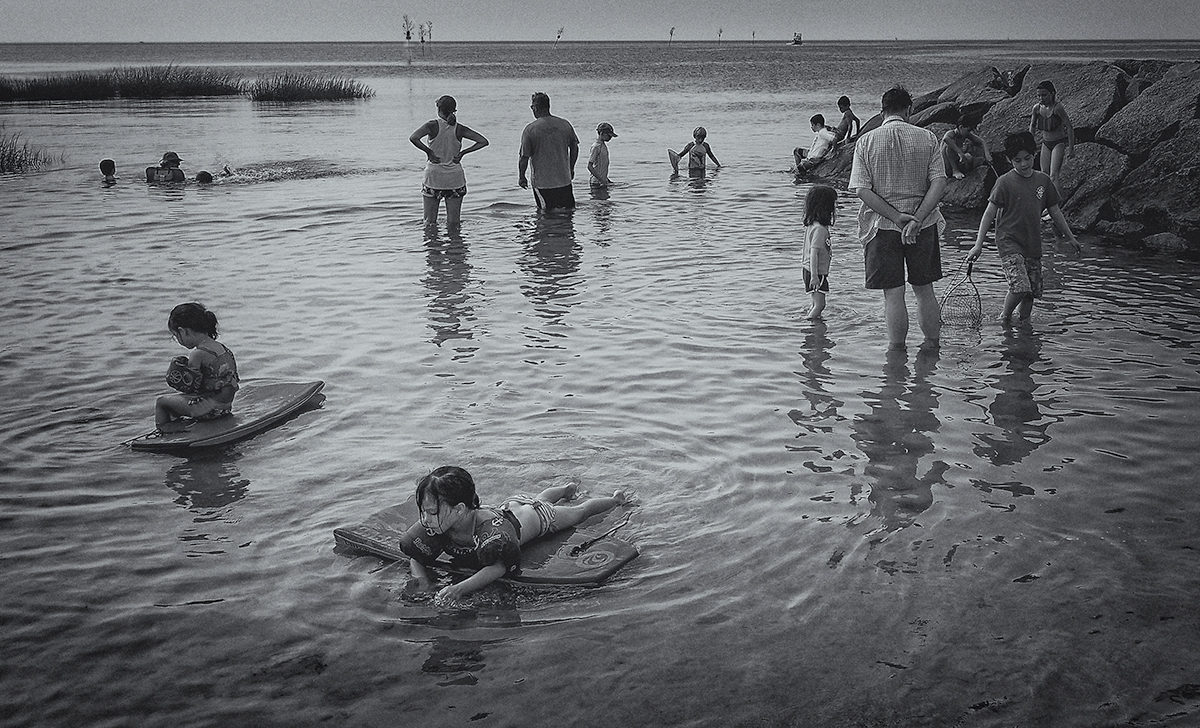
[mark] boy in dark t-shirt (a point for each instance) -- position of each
(1016, 206)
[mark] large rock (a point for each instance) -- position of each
(974, 87)
(970, 192)
(1086, 182)
(1163, 193)
(943, 113)
(1154, 113)
(1090, 92)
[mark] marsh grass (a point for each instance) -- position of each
(290, 87)
(162, 82)
(17, 157)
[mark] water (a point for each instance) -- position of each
(1002, 534)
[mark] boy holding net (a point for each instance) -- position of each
(1016, 206)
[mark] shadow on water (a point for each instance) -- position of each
(894, 436)
(550, 260)
(447, 281)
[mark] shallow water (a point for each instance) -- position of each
(1003, 533)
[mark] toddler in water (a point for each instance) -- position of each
(696, 151)
(819, 214)
(485, 537)
(207, 378)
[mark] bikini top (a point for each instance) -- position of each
(1049, 123)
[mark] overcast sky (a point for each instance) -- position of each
(380, 20)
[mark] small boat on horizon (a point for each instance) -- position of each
(797, 40)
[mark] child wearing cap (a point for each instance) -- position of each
(598, 158)
(167, 170)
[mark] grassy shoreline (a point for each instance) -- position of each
(17, 157)
(162, 82)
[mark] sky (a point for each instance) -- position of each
(41, 21)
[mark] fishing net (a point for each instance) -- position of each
(960, 304)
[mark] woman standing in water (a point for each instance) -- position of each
(444, 175)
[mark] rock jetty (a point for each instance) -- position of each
(1134, 178)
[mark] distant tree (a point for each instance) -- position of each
(421, 31)
(719, 32)
(752, 35)
(408, 25)
(429, 30)
(557, 37)
(672, 36)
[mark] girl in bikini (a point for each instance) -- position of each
(1058, 136)
(487, 538)
(207, 378)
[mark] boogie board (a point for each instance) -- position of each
(674, 157)
(257, 407)
(573, 556)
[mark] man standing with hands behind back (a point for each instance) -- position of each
(550, 143)
(899, 175)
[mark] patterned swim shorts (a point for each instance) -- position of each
(1024, 275)
(544, 510)
(444, 194)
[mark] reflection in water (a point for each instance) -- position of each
(208, 485)
(1015, 411)
(816, 376)
(447, 280)
(895, 435)
(550, 261)
(456, 661)
(602, 209)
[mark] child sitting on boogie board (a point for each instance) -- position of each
(207, 379)
(488, 538)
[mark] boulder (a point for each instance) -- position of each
(1153, 114)
(1086, 182)
(973, 87)
(1091, 93)
(924, 101)
(1143, 74)
(943, 113)
(1166, 243)
(970, 192)
(1120, 231)
(1163, 193)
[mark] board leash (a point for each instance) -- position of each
(593, 541)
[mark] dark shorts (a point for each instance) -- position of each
(444, 194)
(886, 259)
(1024, 275)
(821, 281)
(551, 198)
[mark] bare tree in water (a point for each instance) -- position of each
(672, 35)
(407, 23)
(557, 37)
(719, 32)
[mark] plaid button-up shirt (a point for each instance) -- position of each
(898, 161)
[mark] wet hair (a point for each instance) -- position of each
(447, 105)
(820, 205)
(896, 98)
(1048, 86)
(817, 119)
(107, 166)
(843, 101)
(448, 484)
(193, 316)
(204, 177)
(700, 132)
(966, 120)
(541, 101)
(1022, 141)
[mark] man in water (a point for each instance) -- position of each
(167, 170)
(550, 143)
(899, 175)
